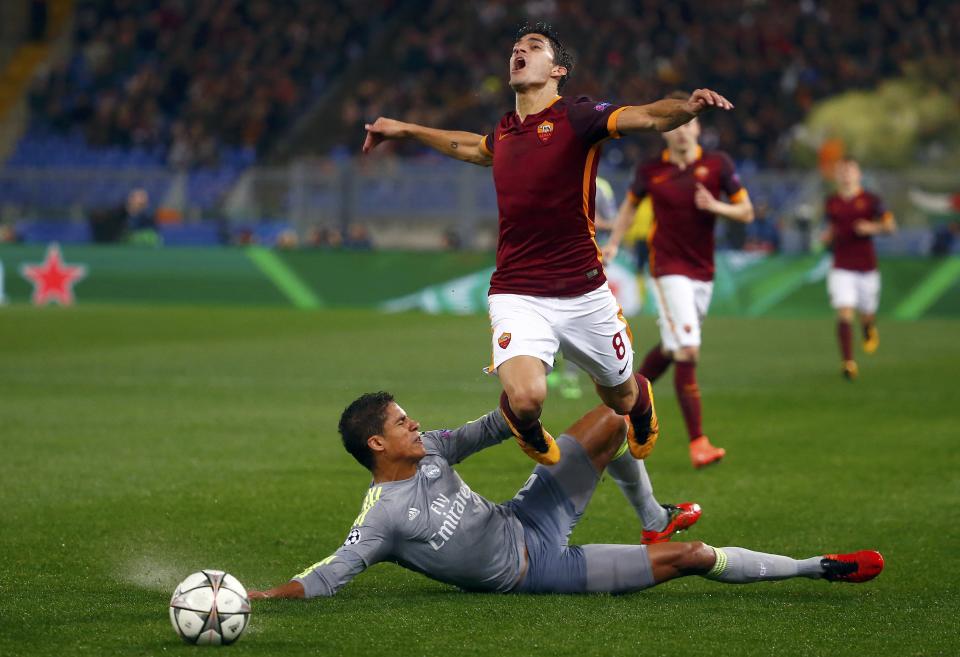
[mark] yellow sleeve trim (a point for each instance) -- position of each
(612, 122)
(483, 146)
(739, 195)
(373, 495)
(312, 568)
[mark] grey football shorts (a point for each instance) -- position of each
(549, 506)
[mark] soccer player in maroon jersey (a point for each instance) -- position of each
(684, 183)
(549, 290)
(854, 217)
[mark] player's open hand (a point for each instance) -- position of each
(702, 100)
(381, 130)
(257, 595)
(703, 199)
(610, 252)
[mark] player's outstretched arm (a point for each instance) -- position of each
(288, 590)
(465, 146)
(457, 444)
(669, 113)
(625, 217)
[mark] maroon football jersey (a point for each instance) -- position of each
(852, 251)
(681, 239)
(545, 173)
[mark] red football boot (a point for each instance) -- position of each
(855, 567)
(682, 517)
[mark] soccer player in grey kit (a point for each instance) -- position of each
(420, 514)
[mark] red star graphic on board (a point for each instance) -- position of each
(53, 279)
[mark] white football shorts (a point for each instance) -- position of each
(854, 289)
(682, 304)
(590, 330)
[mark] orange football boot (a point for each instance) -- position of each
(538, 444)
(872, 341)
(702, 453)
(850, 370)
(642, 439)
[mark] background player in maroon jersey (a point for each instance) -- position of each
(683, 183)
(549, 290)
(854, 217)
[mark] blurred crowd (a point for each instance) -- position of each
(192, 76)
(774, 59)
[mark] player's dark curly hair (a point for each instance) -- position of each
(561, 57)
(361, 419)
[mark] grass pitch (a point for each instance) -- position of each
(139, 445)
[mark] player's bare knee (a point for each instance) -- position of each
(601, 433)
(687, 355)
(615, 430)
(694, 557)
(527, 403)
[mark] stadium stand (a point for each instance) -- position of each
(182, 98)
(165, 84)
(774, 59)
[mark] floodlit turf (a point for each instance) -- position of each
(139, 445)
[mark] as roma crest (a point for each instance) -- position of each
(504, 340)
(544, 131)
(701, 172)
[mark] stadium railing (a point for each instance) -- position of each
(405, 203)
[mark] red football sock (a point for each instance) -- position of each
(642, 405)
(520, 425)
(655, 363)
(845, 336)
(688, 394)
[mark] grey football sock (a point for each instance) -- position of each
(741, 566)
(631, 476)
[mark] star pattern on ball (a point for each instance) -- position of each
(53, 279)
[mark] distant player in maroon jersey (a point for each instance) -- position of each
(684, 183)
(854, 216)
(549, 290)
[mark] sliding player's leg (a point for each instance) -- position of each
(628, 568)
(660, 521)
(554, 497)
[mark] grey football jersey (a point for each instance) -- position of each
(432, 522)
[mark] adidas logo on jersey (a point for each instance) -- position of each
(412, 513)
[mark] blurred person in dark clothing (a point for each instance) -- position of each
(131, 221)
(763, 234)
(944, 239)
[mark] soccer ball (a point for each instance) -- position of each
(210, 608)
